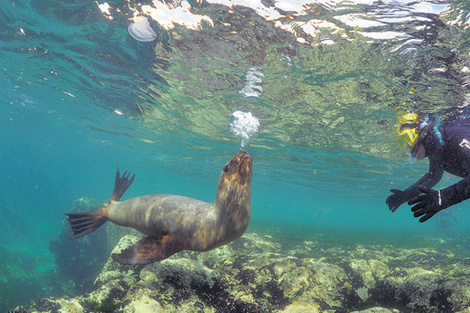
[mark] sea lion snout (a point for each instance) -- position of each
(239, 169)
(242, 155)
(243, 158)
(246, 164)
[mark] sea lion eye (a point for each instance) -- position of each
(226, 168)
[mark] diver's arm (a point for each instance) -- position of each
(434, 201)
(456, 193)
(430, 179)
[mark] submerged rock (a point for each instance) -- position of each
(260, 274)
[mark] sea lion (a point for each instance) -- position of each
(174, 223)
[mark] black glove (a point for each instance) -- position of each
(398, 198)
(428, 204)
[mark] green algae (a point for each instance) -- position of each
(21, 280)
(106, 307)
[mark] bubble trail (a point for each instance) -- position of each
(244, 125)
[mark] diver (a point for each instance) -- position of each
(447, 145)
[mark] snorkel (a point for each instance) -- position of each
(412, 158)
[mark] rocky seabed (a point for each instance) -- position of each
(259, 274)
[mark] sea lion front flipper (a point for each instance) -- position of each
(147, 250)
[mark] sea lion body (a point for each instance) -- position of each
(174, 223)
(196, 222)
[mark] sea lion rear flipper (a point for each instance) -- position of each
(121, 184)
(147, 250)
(85, 222)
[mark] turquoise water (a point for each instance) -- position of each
(79, 96)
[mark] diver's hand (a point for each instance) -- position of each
(394, 201)
(427, 204)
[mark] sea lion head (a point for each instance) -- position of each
(239, 170)
(235, 181)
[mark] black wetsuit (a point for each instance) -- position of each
(448, 148)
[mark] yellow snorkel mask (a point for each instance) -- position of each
(407, 129)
